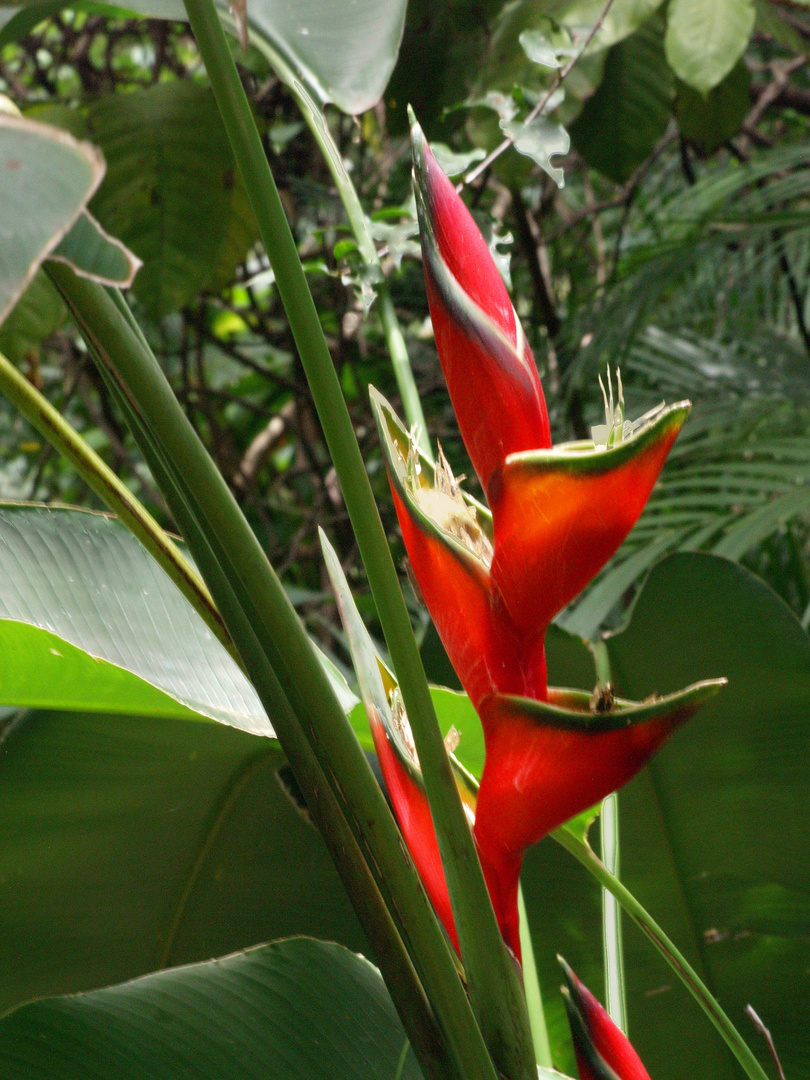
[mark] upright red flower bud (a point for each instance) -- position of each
(603, 1051)
(487, 362)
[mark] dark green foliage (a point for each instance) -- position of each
(621, 123)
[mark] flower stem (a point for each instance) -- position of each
(611, 911)
(651, 930)
(494, 985)
(531, 983)
(612, 916)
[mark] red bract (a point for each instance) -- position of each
(603, 1051)
(412, 811)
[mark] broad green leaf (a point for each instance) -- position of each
(706, 38)
(130, 843)
(94, 254)
(37, 314)
(46, 177)
(713, 833)
(293, 1010)
(619, 126)
(82, 578)
(710, 121)
(172, 192)
(343, 53)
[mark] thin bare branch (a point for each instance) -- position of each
(562, 74)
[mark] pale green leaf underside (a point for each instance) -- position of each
(84, 579)
(46, 177)
(343, 53)
(94, 254)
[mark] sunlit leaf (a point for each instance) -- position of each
(705, 40)
(84, 579)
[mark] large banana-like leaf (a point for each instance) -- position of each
(294, 1010)
(88, 621)
(130, 843)
(713, 834)
(343, 53)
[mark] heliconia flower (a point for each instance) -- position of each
(549, 753)
(602, 1050)
(493, 579)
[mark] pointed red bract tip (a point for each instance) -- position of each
(597, 1040)
(487, 363)
(537, 776)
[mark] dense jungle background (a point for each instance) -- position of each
(661, 255)
(650, 213)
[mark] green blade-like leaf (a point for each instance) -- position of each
(343, 53)
(294, 1010)
(713, 836)
(129, 843)
(83, 578)
(46, 177)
